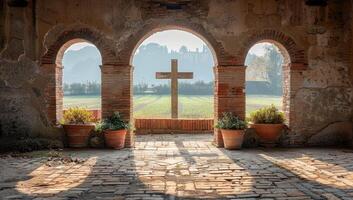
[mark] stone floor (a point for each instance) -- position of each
(183, 167)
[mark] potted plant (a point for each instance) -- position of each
(232, 129)
(268, 124)
(78, 124)
(115, 129)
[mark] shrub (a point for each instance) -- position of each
(267, 115)
(230, 121)
(77, 115)
(113, 122)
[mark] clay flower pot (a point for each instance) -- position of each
(268, 133)
(233, 139)
(115, 139)
(78, 134)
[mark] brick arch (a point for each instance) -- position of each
(295, 62)
(57, 40)
(290, 50)
(166, 28)
(220, 56)
(66, 38)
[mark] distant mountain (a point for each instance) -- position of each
(152, 58)
(83, 65)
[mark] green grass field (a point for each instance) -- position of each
(190, 106)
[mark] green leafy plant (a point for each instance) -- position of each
(267, 115)
(230, 121)
(113, 122)
(77, 115)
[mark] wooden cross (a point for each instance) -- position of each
(174, 75)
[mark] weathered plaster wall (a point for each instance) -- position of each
(2, 24)
(318, 39)
(22, 107)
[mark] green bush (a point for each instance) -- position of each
(28, 144)
(113, 122)
(230, 121)
(267, 115)
(77, 115)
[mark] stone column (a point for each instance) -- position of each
(229, 94)
(53, 91)
(117, 93)
(292, 82)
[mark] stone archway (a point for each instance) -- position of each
(295, 62)
(51, 63)
(221, 57)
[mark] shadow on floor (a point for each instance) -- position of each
(185, 167)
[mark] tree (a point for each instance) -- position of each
(183, 49)
(274, 60)
(77, 89)
(93, 88)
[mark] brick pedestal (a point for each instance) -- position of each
(229, 94)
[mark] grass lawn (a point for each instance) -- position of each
(190, 106)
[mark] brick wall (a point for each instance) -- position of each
(53, 92)
(117, 93)
(229, 94)
(148, 126)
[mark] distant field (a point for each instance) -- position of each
(190, 106)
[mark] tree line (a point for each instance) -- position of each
(186, 88)
(272, 61)
(88, 88)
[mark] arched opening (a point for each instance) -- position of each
(67, 68)
(81, 77)
(153, 86)
(175, 28)
(266, 79)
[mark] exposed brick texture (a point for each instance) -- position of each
(117, 93)
(292, 82)
(53, 92)
(229, 94)
(149, 126)
(292, 53)
(55, 51)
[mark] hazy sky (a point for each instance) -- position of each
(174, 39)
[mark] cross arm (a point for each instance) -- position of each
(163, 75)
(185, 75)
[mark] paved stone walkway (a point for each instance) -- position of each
(183, 167)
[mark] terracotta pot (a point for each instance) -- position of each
(268, 133)
(78, 134)
(115, 139)
(233, 139)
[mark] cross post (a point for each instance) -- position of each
(174, 75)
